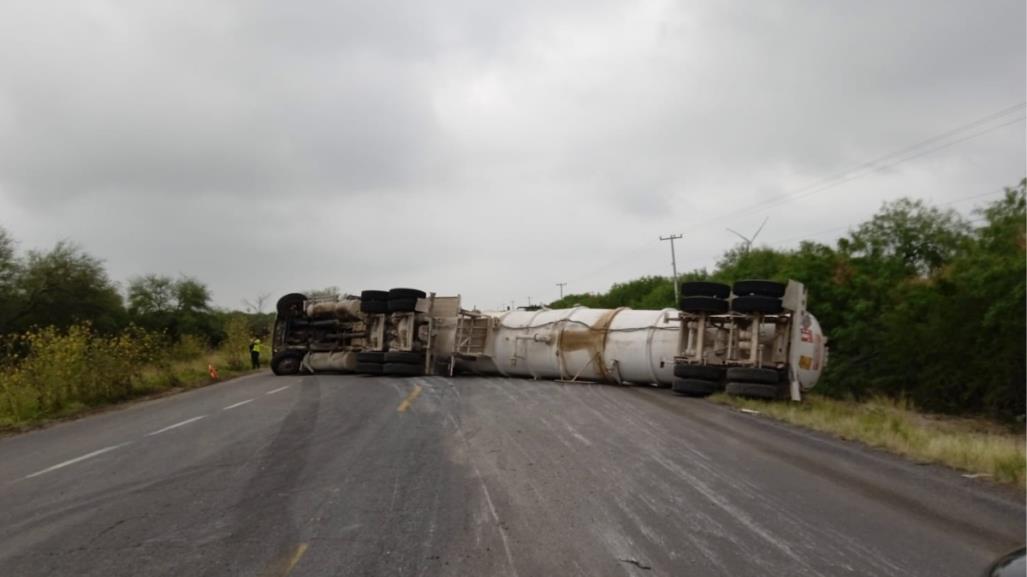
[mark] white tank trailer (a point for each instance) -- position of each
(754, 338)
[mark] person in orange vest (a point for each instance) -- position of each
(255, 353)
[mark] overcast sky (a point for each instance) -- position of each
(490, 149)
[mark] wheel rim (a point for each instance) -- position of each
(288, 365)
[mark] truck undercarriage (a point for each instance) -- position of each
(754, 338)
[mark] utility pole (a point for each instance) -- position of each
(561, 285)
(673, 262)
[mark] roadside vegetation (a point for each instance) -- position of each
(980, 447)
(925, 311)
(919, 303)
(72, 340)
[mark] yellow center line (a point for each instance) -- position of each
(410, 399)
(300, 550)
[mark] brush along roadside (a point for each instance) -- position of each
(980, 447)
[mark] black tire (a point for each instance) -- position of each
(405, 357)
(754, 390)
(753, 375)
(402, 369)
(404, 305)
(374, 307)
(291, 304)
(705, 289)
(370, 368)
(371, 357)
(695, 387)
(704, 372)
(441, 367)
(764, 288)
(711, 305)
(371, 295)
(286, 363)
(756, 304)
(406, 293)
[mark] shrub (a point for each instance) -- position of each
(189, 347)
(59, 371)
(237, 342)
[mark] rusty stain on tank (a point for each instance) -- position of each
(574, 337)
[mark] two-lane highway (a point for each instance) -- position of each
(353, 475)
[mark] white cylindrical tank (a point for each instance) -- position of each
(808, 354)
(619, 345)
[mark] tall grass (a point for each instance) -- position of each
(47, 373)
(973, 445)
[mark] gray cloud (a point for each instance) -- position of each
(491, 149)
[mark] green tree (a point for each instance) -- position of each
(986, 288)
(175, 306)
(739, 263)
(63, 287)
(921, 237)
(9, 269)
(151, 295)
(194, 310)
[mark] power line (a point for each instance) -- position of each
(881, 167)
(966, 198)
(973, 124)
(779, 242)
(876, 165)
(889, 160)
(640, 248)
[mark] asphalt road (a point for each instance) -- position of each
(351, 475)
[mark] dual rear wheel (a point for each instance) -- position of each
(397, 300)
(399, 363)
(750, 296)
(757, 383)
(704, 380)
(697, 380)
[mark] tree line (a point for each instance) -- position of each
(65, 287)
(919, 303)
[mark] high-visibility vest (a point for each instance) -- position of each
(255, 346)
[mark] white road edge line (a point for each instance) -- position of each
(239, 404)
(77, 459)
(176, 425)
(278, 390)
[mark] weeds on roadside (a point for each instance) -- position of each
(48, 373)
(975, 446)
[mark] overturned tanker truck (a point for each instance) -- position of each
(754, 338)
